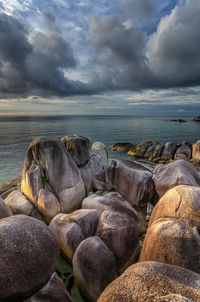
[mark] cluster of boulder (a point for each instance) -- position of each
(95, 209)
(162, 153)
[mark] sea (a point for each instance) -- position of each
(17, 132)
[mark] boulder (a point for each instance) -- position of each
(131, 180)
(196, 119)
(152, 281)
(168, 151)
(151, 149)
(184, 143)
(157, 152)
(48, 165)
(140, 149)
(94, 267)
(181, 202)
(173, 242)
(122, 147)
(196, 150)
(68, 234)
(48, 204)
(19, 204)
(78, 147)
(9, 186)
(4, 210)
(87, 177)
(53, 291)
(179, 172)
(183, 152)
(120, 233)
(28, 257)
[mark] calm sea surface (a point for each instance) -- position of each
(16, 133)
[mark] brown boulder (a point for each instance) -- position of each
(153, 281)
(122, 147)
(140, 149)
(196, 150)
(19, 204)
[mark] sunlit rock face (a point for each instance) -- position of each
(196, 150)
(19, 204)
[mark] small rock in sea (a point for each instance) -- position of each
(196, 119)
(122, 147)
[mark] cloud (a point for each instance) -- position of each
(139, 9)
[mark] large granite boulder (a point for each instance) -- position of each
(157, 152)
(87, 176)
(78, 147)
(48, 204)
(120, 233)
(140, 149)
(4, 210)
(151, 149)
(173, 242)
(196, 150)
(176, 173)
(122, 147)
(94, 267)
(131, 180)
(181, 202)
(153, 281)
(48, 165)
(53, 291)
(28, 257)
(169, 151)
(19, 204)
(9, 186)
(183, 152)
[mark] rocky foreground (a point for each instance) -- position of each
(94, 210)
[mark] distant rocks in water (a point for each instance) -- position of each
(178, 120)
(196, 119)
(122, 147)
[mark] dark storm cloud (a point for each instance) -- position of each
(32, 63)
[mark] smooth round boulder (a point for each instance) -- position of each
(94, 267)
(122, 147)
(28, 257)
(19, 204)
(140, 149)
(183, 152)
(168, 151)
(4, 210)
(48, 204)
(179, 172)
(152, 281)
(173, 242)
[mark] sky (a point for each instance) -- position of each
(99, 57)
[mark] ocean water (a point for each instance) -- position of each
(16, 133)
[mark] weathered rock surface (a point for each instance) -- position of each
(68, 234)
(48, 204)
(4, 210)
(53, 291)
(178, 172)
(94, 267)
(120, 233)
(196, 150)
(140, 149)
(183, 152)
(168, 151)
(122, 147)
(28, 257)
(47, 164)
(181, 202)
(87, 177)
(153, 281)
(19, 204)
(78, 147)
(173, 242)
(131, 180)
(151, 149)
(157, 152)
(9, 186)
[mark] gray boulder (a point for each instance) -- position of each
(151, 149)
(131, 180)
(196, 150)
(157, 152)
(120, 233)
(28, 257)
(48, 204)
(176, 173)
(78, 147)
(94, 267)
(19, 204)
(183, 152)
(169, 151)
(122, 147)
(87, 177)
(140, 149)
(4, 210)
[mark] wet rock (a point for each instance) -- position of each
(122, 147)
(173, 242)
(178, 172)
(4, 210)
(168, 151)
(94, 267)
(78, 147)
(140, 149)
(196, 150)
(28, 257)
(120, 233)
(19, 204)
(53, 291)
(48, 204)
(152, 281)
(131, 180)
(183, 152)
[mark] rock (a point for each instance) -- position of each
(87, 177)
(157, 152)
(78, 147)
(4, 210)
(181, 120)
(28, 257)
(36, 214)
(120, 233)
(19, 204)
(48, 204)
(173, 242)
(179, 172)
(152, 281)
(181, 202)
(140, 149)
(173, 298)
(131, 180)
(184, 143)
(183, 152)
(151, 149)
(48, 165)
(94, 267)
(68, 234)
(53, 291)
(196, 150)
(196, 119)
(9, 186)
(122, 147)
(168, 151)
